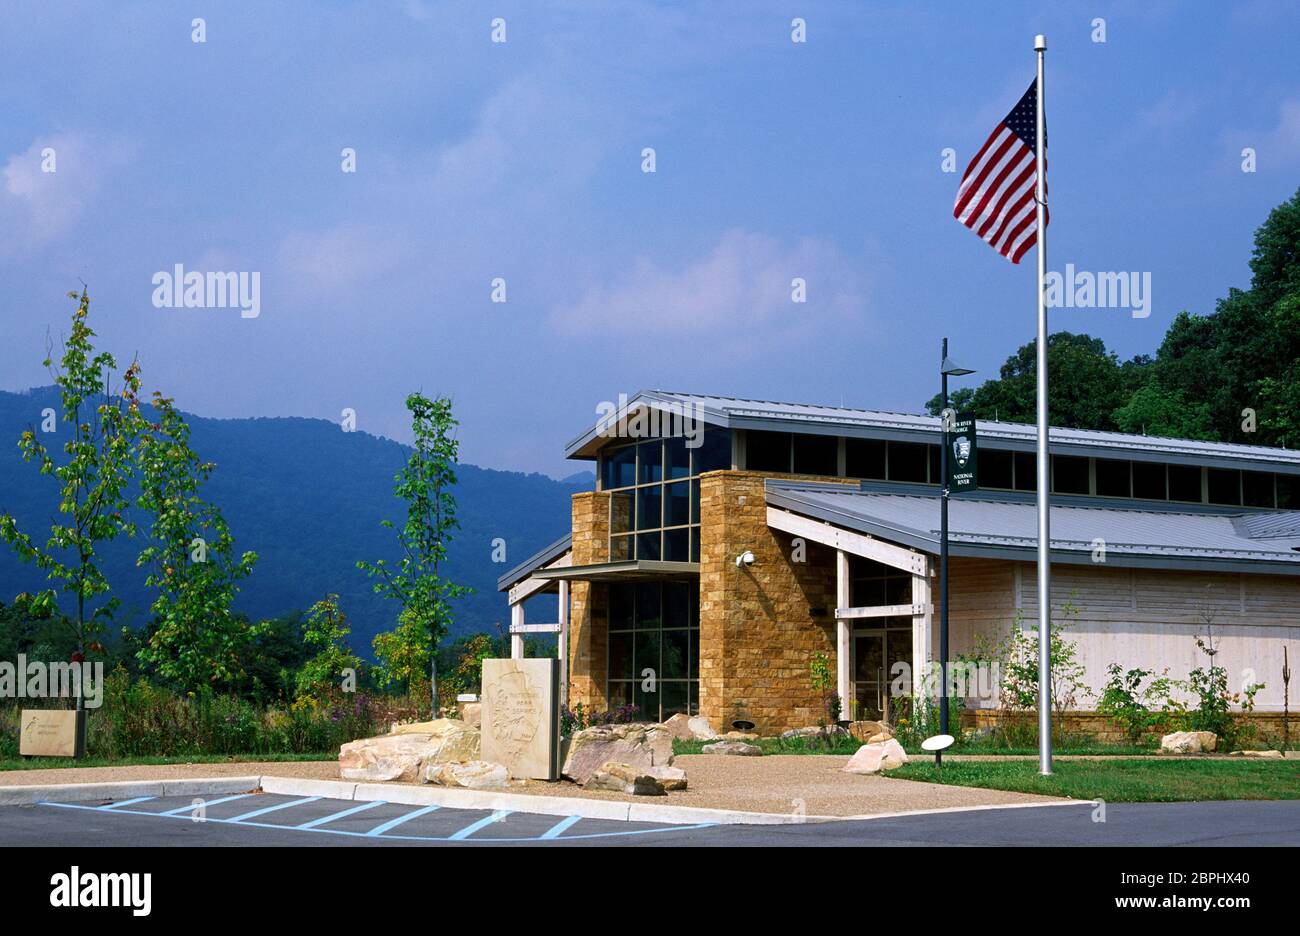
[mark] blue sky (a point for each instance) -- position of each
(523, 160)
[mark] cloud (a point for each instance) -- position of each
(744, 281)
(47, 189)
(1282, 143)
(337, 257)
(1174, 110)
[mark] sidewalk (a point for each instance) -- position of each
(776, 784)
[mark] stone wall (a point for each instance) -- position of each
(757, 630)
(588, 603)
(1267, 725)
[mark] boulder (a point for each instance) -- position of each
(1264, 755)
(864, 731)
(638, 745)
(679, 726)
(670, 778)
(701, 728)
(476, 775)
(471, 713)
(405, 754)
(625, 778)
(739, 748)
(1188, 742)
(739, 736)
(811, 731)
(873, 758)
(880, 738)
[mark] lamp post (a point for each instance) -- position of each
(947, 369)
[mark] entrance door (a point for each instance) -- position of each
(869, 675)
(875, 651)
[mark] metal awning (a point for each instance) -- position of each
(628, 570)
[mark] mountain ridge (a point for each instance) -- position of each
(308, 498)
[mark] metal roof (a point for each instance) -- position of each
(537, 560)
(733, 412)
(997, 528)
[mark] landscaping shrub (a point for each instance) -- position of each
(139, 719)
(578, 718)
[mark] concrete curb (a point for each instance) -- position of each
(126, 789)
(525, 802)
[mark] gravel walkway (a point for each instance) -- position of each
(777, 783)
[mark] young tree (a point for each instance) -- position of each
(100, 424)
(415, 581)
(196, 642)
(326, 631)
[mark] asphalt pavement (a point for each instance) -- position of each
(271, 819)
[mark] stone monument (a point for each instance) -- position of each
(521, 717)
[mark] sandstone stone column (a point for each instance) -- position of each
(589, 606)
(757, 627)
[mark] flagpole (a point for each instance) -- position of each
(1044, 473)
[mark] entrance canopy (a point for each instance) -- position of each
(627, 570)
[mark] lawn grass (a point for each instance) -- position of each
(1124, 781)
(42, 763)
(849, 746)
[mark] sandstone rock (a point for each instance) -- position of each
(1188, 742)
(864, 731)
(880, 738)
(476, 775)
(638, 745)
(739, 748)
(701, 728)
(811, 731)
(1264, 755)
(625, 778)
(679, 726)
(873, 758)
(739, 736)
(868, 760)
(471, 713)
(670, 778)
(405, 754)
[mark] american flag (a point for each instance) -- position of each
(996, 198)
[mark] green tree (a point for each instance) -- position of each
(1156, 411)
(414, 581)
(326, 631)
(92, 477)
(1088, 383)
(1246, 355)
(196, 641)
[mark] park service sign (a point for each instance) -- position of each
(521, 717)
(52, 733)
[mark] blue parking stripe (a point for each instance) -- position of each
(559, 827)
(482, 823)
(657, 830)
(262, 812)
(394, 823)
(127, 802)
(203, 805)
(360, 807)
